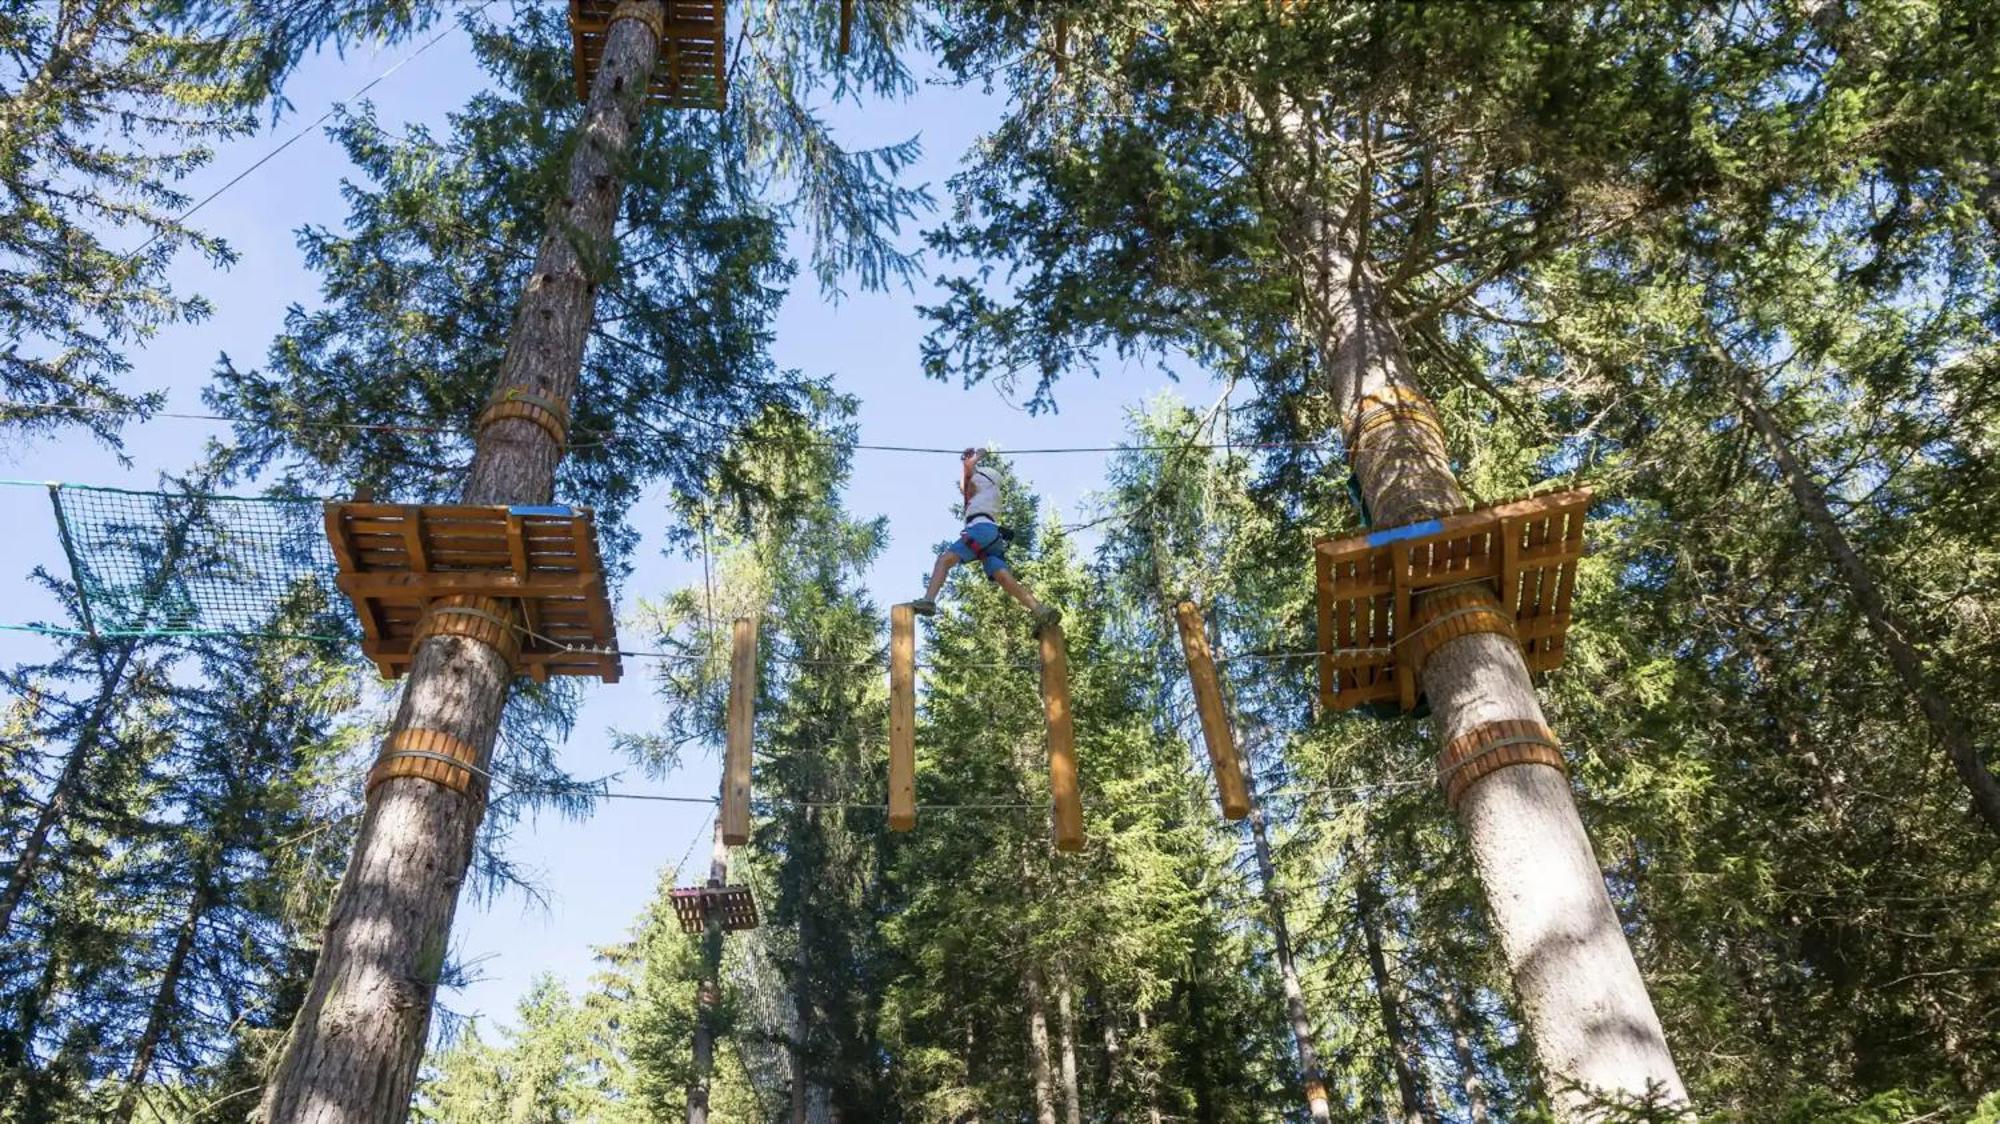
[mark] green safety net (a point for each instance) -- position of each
(185, 563)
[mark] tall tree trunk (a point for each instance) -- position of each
(354, 1051)
(1459, 1014)
(165, 1000)
(801, 997)
(1593, 1026)
(1310, 1071)
(1148, 1077)
(1402, 1047)
(1888, 626)
(1066, 1017)
(971, 1116)
(1038, 1047)
(28, 859)
(708, 992)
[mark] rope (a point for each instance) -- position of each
(608, 435)
(295, 138)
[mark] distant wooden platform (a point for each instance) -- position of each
(692, 70)
(1523, 551)
(538, 562)
(732, 905)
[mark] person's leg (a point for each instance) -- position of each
(950, 556)
(1018, 591)
(996, 568)
(945, 561)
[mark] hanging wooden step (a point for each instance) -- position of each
(732, 906)
(540, 563)
(1448, 572)
(1065, 795)
(742, 727)
(902, 718)
(1215, 728)
(691, 72)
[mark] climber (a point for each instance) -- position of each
(983, 540)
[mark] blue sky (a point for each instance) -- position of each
(599, 872)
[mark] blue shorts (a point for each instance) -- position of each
(986, 534)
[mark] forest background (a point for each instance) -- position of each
(1809, 898)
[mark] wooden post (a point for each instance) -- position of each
(902, 718)
(742, 723)
(846, 27)
(1066, 802)
(1214, 718)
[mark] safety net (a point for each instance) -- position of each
(187, 563)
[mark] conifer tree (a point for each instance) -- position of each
(105, 105)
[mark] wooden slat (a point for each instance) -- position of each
(902, 718)
(1328, 673)
(394, 558)
(1399, 620)
(413, 541)
(1215, 729)
(1528, 549)
(742, 723)
(1065, 798)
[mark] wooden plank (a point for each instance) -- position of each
(1066, 801)
(902, 718)
(405, 586)
(1215, 730)
(1406, 682)
(742, 723)
(1328, 674)
(517, 546)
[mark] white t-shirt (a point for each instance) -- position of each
(985, 495)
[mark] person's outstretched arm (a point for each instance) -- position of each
(967, 460)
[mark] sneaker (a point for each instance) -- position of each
(924, 607)
(1047, 615)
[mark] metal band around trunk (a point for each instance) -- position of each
(1385, 407)
(653, 15)
(1448, 616)
(488, 620)
(545, 413)
(429, 755)
(1487, 749)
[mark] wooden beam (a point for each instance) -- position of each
(398, 585)
(1065, 799)
(413, 539)
(902, 718)
(742, 721)
(1214, 717)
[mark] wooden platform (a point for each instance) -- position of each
(395, 559)
(1525, 551)
(733, 906)
(691, 73)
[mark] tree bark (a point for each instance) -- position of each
(1594, 1030)
(1038, 1047)
(1066, 1017)
(1459, 1015)
(708, 993)
(1310, 1071)
(1887, 625)
(56, 806)
(1402, 1049)
(164, 998)
(354, 1051)
(1148, 1077)
(801, 998)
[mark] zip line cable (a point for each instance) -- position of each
(300, 135)
(613, 435)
